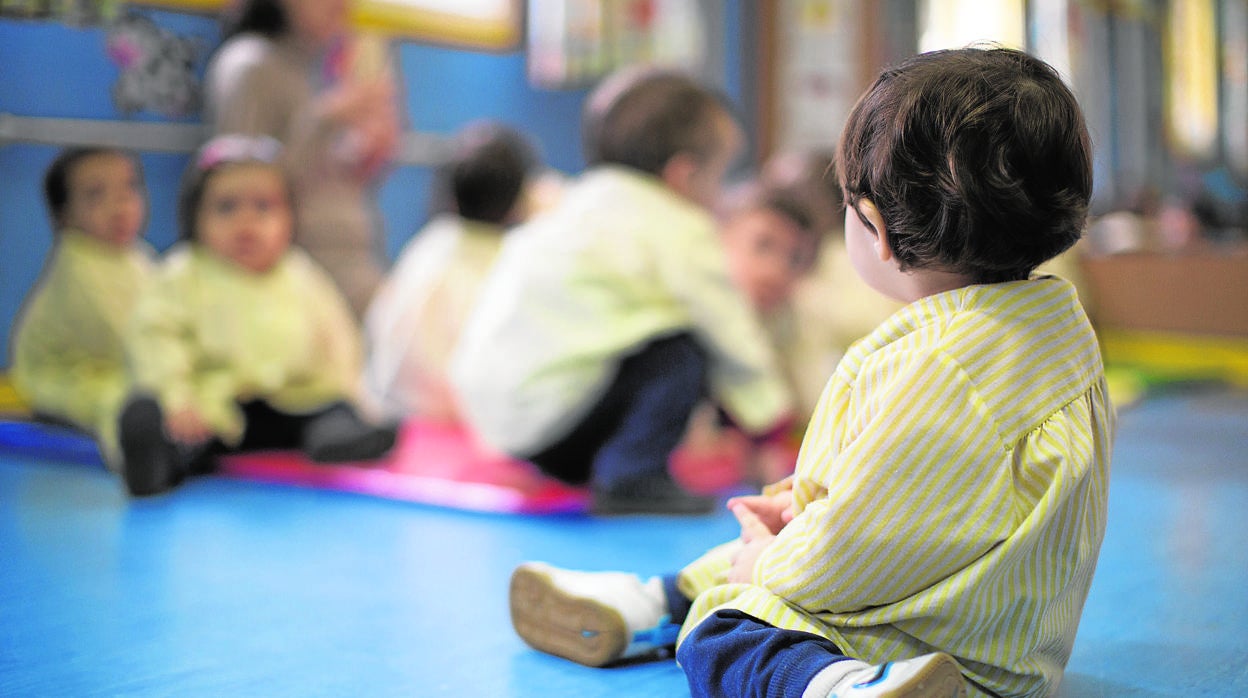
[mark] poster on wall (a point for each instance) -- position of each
(819, 45)
(567, 43)
(573, 43)
(156, 67)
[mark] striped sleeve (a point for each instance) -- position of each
(914, 490)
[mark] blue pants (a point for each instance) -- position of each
(678, 604)
(638, 422)
(733, 654)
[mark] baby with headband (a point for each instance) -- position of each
(242, 342)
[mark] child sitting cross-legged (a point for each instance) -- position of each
(942, 528)
(241, 342)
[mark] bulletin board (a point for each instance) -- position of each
(494, 25)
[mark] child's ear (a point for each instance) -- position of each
(679, 173)
(868, 210)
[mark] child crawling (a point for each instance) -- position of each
(942, 528)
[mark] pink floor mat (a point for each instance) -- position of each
(441, 464)
(438, 464)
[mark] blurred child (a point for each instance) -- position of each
(417, 315)
(241, 342)
(299, 71)
(68, 360)
(832, 307)
(605, 321)
(950, 498)
(771, 240)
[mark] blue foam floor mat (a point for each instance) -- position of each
(46, 441)
(229, 587)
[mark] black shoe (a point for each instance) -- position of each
(151, 470)
(340, 438)
(149, 461)
(654, 493)
(200, 459)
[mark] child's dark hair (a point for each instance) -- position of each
(219, 152)
(642, 117)
(56, 177)
(264, 17)
(978, 160)
(489, 166)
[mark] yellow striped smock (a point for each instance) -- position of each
(951, 492)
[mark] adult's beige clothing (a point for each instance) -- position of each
(256, 85)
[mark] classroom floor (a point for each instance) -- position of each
(235, 588)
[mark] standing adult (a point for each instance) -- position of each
(292, 69)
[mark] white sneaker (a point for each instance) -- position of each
(935, 675)
(592, 618)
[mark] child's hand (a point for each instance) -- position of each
(756, 536)
(772, 511)
(187, 426)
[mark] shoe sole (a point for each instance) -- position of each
(940, 678)
(555, 622)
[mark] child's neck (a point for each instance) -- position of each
(921, 283)
(93, 240)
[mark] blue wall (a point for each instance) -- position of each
(445, 89)
(53, 70)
